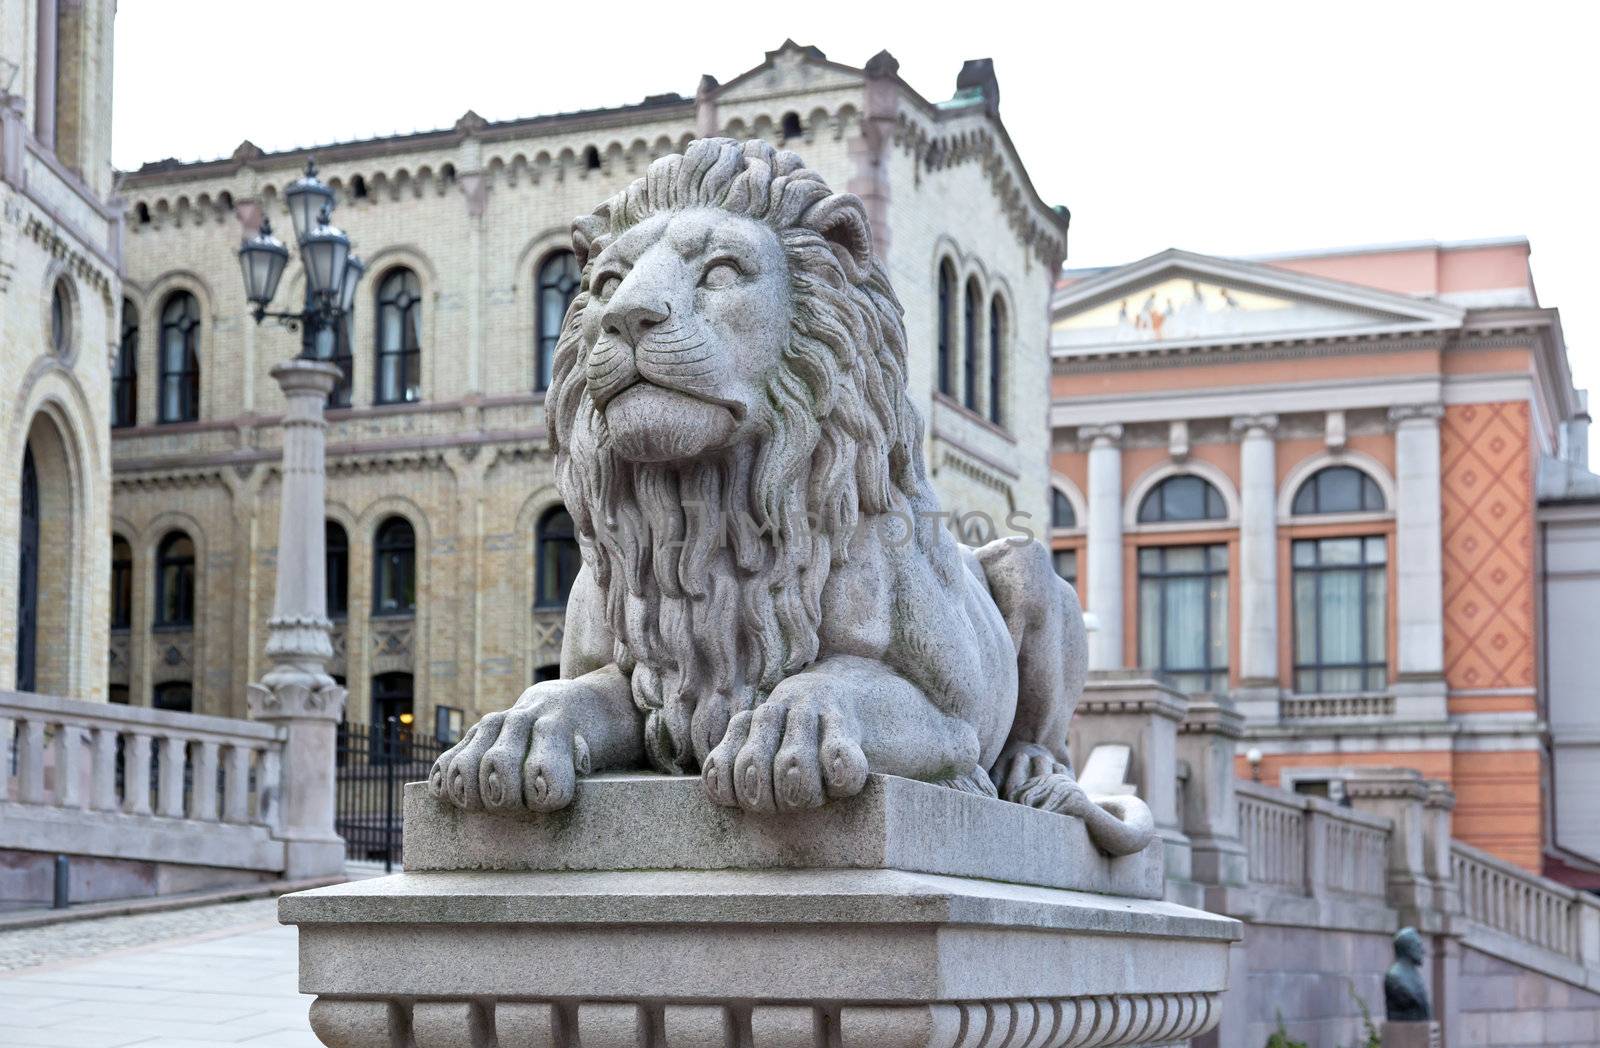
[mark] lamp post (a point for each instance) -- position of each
(296, 691)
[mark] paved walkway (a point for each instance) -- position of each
(207, 977)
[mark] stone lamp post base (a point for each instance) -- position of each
(911, 916)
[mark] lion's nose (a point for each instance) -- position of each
(631, 321)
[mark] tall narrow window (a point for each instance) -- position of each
(1340, 614)
(947, 304)
(790, 127)
(28, 577)
(1183, 615)
(180, 358)
(974, 305)
(557, 283)
(336, 549)
(558, 559)
(997, 356)
(393, 699)
(60, 319)
(399, 338)
(125, 376)
(1065, 561)
(121, 583)
(175, 581)
(394, 590)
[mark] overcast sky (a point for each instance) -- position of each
(1219, 127)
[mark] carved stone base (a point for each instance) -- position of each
(1412, 1035)
(757, 947)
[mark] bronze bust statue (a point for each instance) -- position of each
(1405, 995)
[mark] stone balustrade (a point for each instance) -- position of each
(1306, 846)
(130, 783)
(1533, 910)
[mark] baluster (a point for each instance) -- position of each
(103, 770)
(69, 765)
(236, 785)
(203, 795)
(30, 762)
(169, 788)
(268, 792)
(7, 726)
(136, 775)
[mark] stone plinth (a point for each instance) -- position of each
(1423, 1034)
(911, 915)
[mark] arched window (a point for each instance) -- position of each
(175, 581)
(1061, 514)
(1338, 489)
(1183, 498)
(997, 335)
(121, 583)
(557, 558)
(60, 319)
(947, 304)
(790, 126)
(125, 376)
(173, 695)
(28, 577)
(180, 358)
(591, 158)
(336, 548)
(333, 345)
(970, 363)
(557, 283)
(399, 369)
(394, 588)
(358, 187)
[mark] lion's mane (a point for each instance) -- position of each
(841, 443)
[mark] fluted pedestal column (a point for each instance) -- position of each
(297, 691)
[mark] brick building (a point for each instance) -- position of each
(1309, 482)
(449, 550)
(59, 292)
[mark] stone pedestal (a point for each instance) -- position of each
(911, 915)
(1412, 1035)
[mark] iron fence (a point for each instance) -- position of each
(375, 761)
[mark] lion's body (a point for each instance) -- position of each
(767, 597)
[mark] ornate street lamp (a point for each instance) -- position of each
(297, 691)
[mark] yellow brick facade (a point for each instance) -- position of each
(472, 211)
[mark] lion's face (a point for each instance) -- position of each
(685, 328)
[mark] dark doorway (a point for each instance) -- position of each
(28, 577)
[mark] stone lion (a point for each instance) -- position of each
(766, 596)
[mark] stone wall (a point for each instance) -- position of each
(1509, 1006)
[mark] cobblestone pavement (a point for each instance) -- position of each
(207, 977)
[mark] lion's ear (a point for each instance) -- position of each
(586, 232)
(842, 221)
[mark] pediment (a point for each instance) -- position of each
(790, 68)
(1180, 299)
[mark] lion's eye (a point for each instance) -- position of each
(607, 286)
(719, 274)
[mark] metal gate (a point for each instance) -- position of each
(375, 761)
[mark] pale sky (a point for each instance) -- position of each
(1220, 127)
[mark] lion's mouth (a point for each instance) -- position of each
(637, 382)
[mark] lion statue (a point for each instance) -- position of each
(766, 597)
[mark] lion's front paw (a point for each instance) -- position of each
(526, 758)
(788, 754)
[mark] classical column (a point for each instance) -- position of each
(1103, 561)
(45, 72)
(297, 691)
(1258, 551)
(1419, 560)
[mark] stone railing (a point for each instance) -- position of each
(120, 782)
(1320, 706)
(1305, 846)
(1533, 910)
